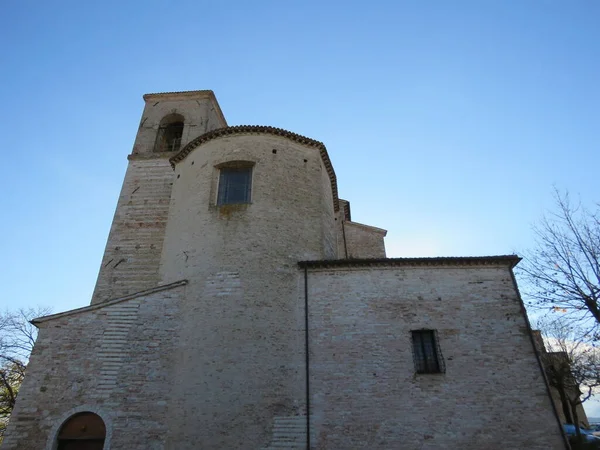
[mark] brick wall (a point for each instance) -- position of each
(240, 352)
(134, 245)
(116, 361)
(364, 241)
(365, 392)
(220, 363)
(132, 255)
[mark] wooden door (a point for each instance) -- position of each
(83, 431)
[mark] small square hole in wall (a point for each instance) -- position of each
(274, 150)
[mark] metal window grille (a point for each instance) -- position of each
(426, 352)
(235, 185)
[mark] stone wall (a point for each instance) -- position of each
(115, 359)
(219, 361)
(329, 228)
(240, 355)
(364, 241)
(132, 254)
(285, 221)
(134, 245)
(200, 111)
(364, 389)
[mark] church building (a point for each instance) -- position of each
(240, 306)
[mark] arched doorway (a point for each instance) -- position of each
(83, 431)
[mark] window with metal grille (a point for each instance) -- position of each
(235, 185)
(426, 353)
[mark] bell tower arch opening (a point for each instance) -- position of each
(170, 131)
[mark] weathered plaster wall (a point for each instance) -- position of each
(243, 306)
(365, 393)
(116, 361)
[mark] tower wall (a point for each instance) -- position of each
(241, 357)
(132, 254)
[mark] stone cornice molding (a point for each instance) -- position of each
(257, 129)
(502, 260)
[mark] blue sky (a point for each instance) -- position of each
(448, 123)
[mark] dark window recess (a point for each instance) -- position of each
(234, 185)
(426, 353)
(83, 431)
(169, 137)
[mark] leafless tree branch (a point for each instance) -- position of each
(562, 272)
(17, 337)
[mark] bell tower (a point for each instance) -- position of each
(133, 250)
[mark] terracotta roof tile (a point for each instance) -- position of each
(510, 260)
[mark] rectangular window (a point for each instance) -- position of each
(235, 185)
(425, 350)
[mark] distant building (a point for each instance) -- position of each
(236, 293)
(558, 363)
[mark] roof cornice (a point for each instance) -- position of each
(101, 305)
(503, 260)
(182, 95)
(366, 227)
(188, 95)
(257, 129)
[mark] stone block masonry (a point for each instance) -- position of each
(115, 360)
(365, 390)
(133, 250)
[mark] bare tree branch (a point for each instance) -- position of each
(562, 272)
(17, 337)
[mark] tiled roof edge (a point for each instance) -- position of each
(509, 260)
(257, 129)
(181, 94)
(95, 306)
(367, 227)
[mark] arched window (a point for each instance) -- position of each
(169, 134)
(82, 431)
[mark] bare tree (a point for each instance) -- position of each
(562, 272)
(17, 336)
(572, 366)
